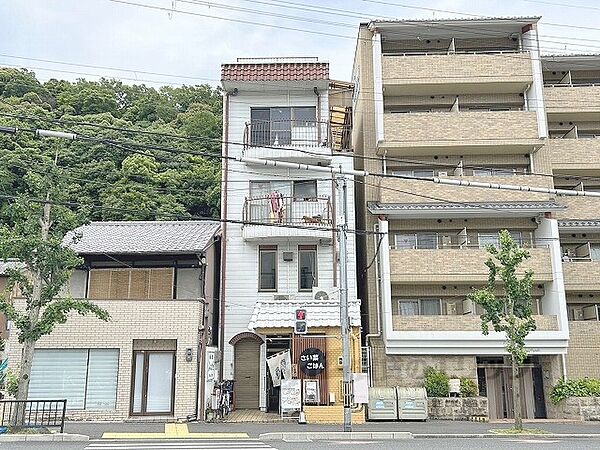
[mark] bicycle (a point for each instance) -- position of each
(222, 400)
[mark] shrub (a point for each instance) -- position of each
(580, 387)
(436, 383)
(11, 382)
(468, 387)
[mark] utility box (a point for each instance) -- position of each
(412, 403)
(382, 404)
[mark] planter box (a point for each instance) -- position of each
(457, 408)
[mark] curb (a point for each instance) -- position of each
(334, 435)
(499, 435)
(55, 437)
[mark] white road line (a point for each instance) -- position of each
(180, 444)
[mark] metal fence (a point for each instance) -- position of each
(278, 209)
(33, 413)
(297, 133)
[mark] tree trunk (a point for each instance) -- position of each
(24, 378)
(516, 391)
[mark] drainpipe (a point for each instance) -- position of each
(224, 234)
(377, 295)
(201, 356)
(316, 91)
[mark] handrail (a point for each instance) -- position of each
(279, 209)
(571, 84)
(458, 52)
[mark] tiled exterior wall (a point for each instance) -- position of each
(582, 275)
(578, 208)
(497, 127)
(422, 266)
(572, 99)
(131, 319)
(446, 69)
(448, 99)
(511, 223)
(583, 357)
(390, 187)
(458, 323)
(575, 154)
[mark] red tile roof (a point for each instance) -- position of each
(275, 71)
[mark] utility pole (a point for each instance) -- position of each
(344, 317)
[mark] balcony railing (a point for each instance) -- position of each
(297, 133)
(434, 241)
(279, 209)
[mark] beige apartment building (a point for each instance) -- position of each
(572, 100)
(465, 99)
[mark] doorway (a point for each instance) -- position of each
(275, 344)
(153, 382)
(247, 373)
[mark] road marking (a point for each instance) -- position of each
(175, 431)
(179, 445)
(533, 441)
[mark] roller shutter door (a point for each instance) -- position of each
(247, 374)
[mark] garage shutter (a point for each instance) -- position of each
(247, 374)
(86, 378)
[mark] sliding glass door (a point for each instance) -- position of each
(153, 382)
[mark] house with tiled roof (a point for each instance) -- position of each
(159, 281)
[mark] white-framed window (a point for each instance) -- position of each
(87, 378)
(419, 241)
(493, 238)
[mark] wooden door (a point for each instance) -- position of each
(247, 374)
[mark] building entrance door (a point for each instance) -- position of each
(275, 344)
(153, 382)
(247, 373)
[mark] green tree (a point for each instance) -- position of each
(32, 231)
(510, 313)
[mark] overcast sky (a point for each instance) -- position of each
(191, 38)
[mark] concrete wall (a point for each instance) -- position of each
(579, 408)
(583, 357)
(408, 370)
(457, 408)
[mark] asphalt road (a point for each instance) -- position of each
(507, 443)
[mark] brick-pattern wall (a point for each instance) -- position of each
(457, 68)
(131, 319)
(572, 99)
(414, 190)
(582, 275)
(331, 414)
(578, 208)
(458, 323)
(464, 100)
(583, 356)
(451, 290)
(408, 370)
(494, 127)
(457, 265)
(457, 408)
(574, 154)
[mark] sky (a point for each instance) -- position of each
(185, 41)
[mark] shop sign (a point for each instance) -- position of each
(312, 361)
(291, 395)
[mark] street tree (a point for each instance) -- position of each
(510, 312)
(33, 226)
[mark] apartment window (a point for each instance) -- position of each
(87, 378)
(304, 116)
(595, 252)
(275, 126)
(305, 190)
(307, 267)
(123, 284)
(416, 241)
(267, 266)
(420, 307)
(486, 239)
(507, 172)
(427, 173)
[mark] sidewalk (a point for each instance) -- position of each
(432, 427)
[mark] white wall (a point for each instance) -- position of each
(241, 272)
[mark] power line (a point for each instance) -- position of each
(308, 152)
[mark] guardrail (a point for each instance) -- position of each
(33, 413)
(457, 52)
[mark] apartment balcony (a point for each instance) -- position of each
(390, 188)
(459, 133)
(295, 140)
(460, 265)
(581, 274)
(467, 322)
(575, 155)
(578, 208)
(572, 102)
(460, 73)
(281, 217)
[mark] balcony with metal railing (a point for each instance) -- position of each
(295, 140)
(276, 215)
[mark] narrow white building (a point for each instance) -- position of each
(280, 252)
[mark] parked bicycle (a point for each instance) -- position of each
(222, 401)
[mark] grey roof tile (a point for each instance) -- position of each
(141, 237)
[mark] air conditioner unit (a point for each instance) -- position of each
(451, 308)
(324, 294)
(442, 174)
(468, 307)
(578, 314)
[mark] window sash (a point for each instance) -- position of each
(305, 189)
(307, 269)
(267, 269)
(132, 284)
